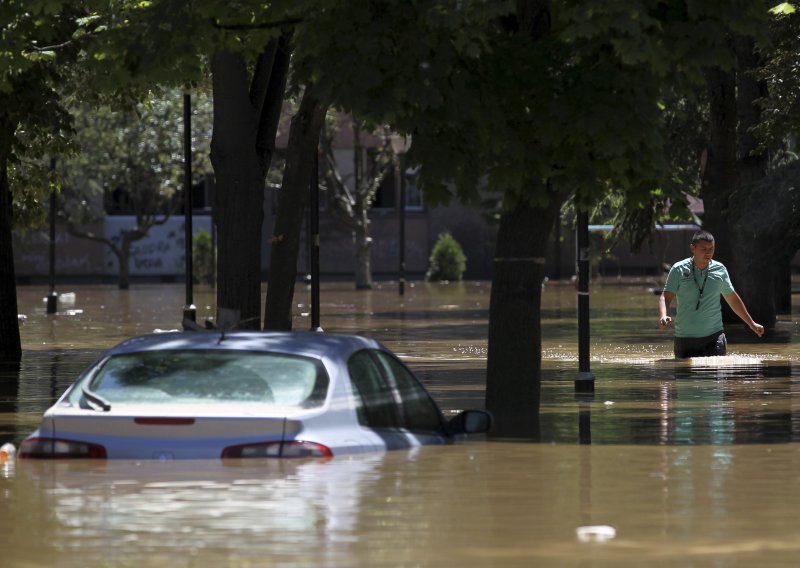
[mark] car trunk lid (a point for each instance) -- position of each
(175, 433)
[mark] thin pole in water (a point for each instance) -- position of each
(189, 309)
(585, 381)
(52, 297)
(313, 241)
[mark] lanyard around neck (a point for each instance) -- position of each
(701, 288)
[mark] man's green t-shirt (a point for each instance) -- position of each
(685, 280)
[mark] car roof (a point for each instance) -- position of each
(310, 344)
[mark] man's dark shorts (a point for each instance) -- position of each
(714, 344)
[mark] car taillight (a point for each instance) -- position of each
(55, 448)
(294, 449)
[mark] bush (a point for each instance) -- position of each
(202, 258)
(447, 260)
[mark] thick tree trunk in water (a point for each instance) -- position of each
(10, 343)
(514, 362)
(738, 207)
(292, 201)
(246, 115)
(513, 374)
(239, 195)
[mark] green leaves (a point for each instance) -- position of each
(582, 107)
(783, 9)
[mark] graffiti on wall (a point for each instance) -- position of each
(160, 253)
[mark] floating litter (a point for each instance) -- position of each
(596, 533)
(7, 452)
(67, 298)
(609, 403)
(724, 361)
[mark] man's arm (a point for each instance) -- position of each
(664, 300)
(736, 304)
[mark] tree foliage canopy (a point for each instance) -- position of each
(582, 107)
(137, 153)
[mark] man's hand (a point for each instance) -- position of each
(664, 300)
(757, 328)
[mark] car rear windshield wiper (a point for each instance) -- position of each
(95, 399)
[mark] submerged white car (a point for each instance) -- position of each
(208, 394)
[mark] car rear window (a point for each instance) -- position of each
(197, 377)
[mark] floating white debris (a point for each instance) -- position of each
(21, 317)
(596, 533)
(724, 361)
(609, 403)
(67, 298)
(159, 330)
(76, 312)
(7, 452)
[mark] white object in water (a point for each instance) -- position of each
(7, 452)
(596, 533)
(67, 298)
(724, 361)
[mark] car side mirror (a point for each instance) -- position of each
(470, 422)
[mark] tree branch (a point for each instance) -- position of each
(263, 26)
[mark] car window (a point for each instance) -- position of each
(420, 413)
(196, 377)
(375, 403)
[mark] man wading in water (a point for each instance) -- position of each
(698, 282)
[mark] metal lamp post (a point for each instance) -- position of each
(585, 381)
(400, 145)
(189, 309)
(52, 297)
(313, 242)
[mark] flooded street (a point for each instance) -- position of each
(692, 463)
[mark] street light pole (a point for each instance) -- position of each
(402, 212)
(313, 241)
(585, 381)
(52, 297)
(189, 309)
(400, 145)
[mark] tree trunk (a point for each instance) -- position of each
(239, 196)
(783, 286)
(361, 239)
(513, 373)
(292, 200)
(719, 175)
(514, 362)
(363, 251)
(738, 207)
(10, 343)
(124, 260)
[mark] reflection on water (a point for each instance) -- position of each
(689, 461)
(478, 504)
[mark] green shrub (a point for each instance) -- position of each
(447, 260)
(202, 258)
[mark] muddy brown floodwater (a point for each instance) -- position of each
(678, 464)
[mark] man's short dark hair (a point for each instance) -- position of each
(702, 236)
